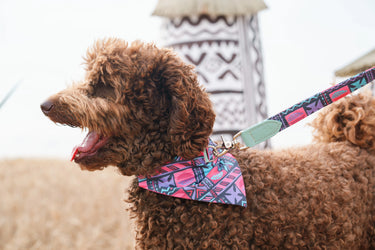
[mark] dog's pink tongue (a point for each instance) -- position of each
(88, 143)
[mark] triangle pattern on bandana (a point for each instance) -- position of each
(219, 181)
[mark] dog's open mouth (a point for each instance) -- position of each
(89, 147)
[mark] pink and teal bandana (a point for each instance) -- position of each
(219, 181)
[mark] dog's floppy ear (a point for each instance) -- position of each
(191, 115)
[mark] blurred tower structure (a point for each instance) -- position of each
(221, 38)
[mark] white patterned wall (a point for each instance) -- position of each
(227, 54)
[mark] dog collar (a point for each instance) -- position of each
(218, 180)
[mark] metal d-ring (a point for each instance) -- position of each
(236, 143)
(225, 148)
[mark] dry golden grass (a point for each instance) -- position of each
(52, 204)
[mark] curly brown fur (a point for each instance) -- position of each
(136, 95)
(350, 120)
(150, 107)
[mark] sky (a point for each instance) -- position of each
(42, 43)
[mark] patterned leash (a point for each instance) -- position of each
(273, 125)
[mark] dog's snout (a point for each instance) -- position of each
(46, 107)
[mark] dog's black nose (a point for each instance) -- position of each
(46, 107)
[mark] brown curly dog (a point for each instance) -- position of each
(143, 106)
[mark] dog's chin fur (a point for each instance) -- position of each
(151, 107)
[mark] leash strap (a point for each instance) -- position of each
(273, 125)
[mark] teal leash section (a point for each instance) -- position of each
(260, 132)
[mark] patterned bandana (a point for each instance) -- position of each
(218, 181)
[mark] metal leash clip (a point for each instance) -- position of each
(222, 149)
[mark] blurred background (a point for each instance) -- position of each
(42, 44)
(48, 203)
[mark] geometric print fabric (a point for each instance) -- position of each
(305, 108)
(219, 181)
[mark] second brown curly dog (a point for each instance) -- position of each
(143, 106)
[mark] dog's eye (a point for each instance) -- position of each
(104, 91)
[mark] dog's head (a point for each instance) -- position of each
(141, 105)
